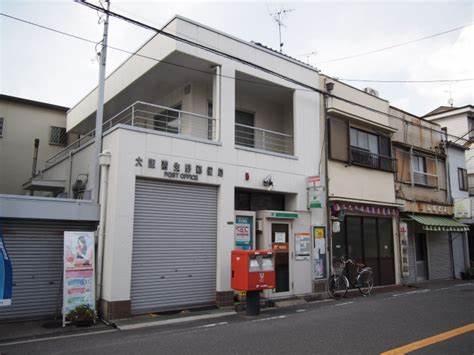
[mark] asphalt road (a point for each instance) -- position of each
(362, 325)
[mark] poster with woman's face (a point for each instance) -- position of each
(78, 250)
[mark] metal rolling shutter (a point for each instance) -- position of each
(439, 255)
(35, 248)
(174, 246)
(459, 261)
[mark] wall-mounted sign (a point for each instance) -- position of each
(78, 277)
(243, 232)
(421, 207)
(284, 215)
(462, 208)
(403, 228)
(5, 275)
(315, 192)
(319, 252)
(302, 246)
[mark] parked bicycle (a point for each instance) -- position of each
(343, 278)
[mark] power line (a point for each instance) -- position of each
(306, 87)
(408, 81)
(395, 45)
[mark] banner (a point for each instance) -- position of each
(319, 253)
(5, 274)
(79, 283)
(244, 232)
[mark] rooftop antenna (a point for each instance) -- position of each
(450, 92)
(278, 18)
(309, 55)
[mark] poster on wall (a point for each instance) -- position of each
(244, 232)
(302, 246)
(319, 253)
(404, 249)
(79, 284)
(5, 275)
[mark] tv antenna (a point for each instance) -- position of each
(278, 18)
(309, 55)
(450, 92)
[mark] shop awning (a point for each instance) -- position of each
(440, 224)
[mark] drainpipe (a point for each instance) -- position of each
(35, 161)
(104, 163)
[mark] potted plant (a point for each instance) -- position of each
(82, 316)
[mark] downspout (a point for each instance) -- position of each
(104, 163)
(449, 196)
(35, 161)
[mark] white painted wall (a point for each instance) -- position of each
(455, 161)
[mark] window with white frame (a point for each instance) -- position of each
(425, 170)
(57, 136)
(462, 179)
(2, 125)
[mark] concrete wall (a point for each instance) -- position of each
(22, 124)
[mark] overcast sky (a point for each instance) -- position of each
(45, 66)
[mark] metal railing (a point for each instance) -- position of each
(422, 178)
(154, 117)
(263, 139)
(363, 157)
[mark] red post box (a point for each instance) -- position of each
(252, 270)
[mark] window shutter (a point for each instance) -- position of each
(338, 139)
(403, 165)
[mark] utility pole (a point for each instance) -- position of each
(278, 18)
(100, 105)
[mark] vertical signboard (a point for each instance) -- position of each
(5, 275)
(319, 252)
(78, 288)
(244, 229)
(404, 249)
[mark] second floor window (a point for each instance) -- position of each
(462, 179)
(244, 131)
(369, 149)
(2, 120)
(58, 136)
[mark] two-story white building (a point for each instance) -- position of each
(200, 143)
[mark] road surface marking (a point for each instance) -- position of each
(343, 304)
(211, 325)
(430, 341)
(57, 337)
(300, 310)
(269, 318)
(410, 293)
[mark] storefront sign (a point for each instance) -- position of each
(358, 208)
(5, 275)
(315, 192)
(302, 246)
(462, 208)
(243, 229)
(319, 252)
(421, 207)
(404, 249)
(78, 288)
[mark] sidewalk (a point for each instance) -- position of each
(43, 329)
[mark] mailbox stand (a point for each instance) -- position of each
(252, 271)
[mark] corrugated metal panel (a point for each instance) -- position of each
(458, 253)
(174, 245)
(36, 251)
(439, 255)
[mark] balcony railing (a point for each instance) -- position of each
(263, 139)
(362, 157)
(167, 120)
(425, 179)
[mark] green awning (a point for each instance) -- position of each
(440, 224)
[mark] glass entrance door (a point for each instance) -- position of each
(280, 246)
(421, 260)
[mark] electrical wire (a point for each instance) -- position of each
(395, 45)
(305, 87)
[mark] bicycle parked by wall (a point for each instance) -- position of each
(350, 274)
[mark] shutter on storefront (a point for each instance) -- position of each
(174, 246)
(459, 261)
(35, 248)
(439, 256)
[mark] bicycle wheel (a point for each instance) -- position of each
(365, 282)
(338, 286)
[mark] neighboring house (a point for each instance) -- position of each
(462, 205)
(422, 187)
(21, 122)
(196, 149)
(361, 181)
(459, 122)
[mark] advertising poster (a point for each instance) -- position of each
(302, 246)
(319, 252)
(79, 281)
(5, 275)
(244, 232)
(404, 249)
